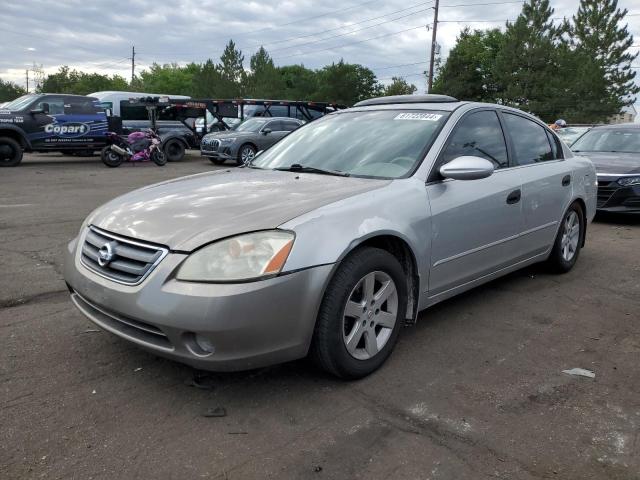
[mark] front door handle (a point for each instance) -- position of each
(514, 197)
(566, 180)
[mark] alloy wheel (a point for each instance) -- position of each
(247, 154)
(369, 315)
(570, 236)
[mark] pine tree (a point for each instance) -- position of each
(233, 76)
(528, 67)
(265, 80)
(598, 35)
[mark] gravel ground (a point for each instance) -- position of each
(474, 390)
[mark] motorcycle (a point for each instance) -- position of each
(136, 147)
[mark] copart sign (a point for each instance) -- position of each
(68, 129)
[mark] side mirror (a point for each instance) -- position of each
(467, 168)
(266, 131)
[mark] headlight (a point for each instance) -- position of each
(245, 257)
(629, 181)
(227, 140)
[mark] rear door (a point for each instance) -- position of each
(475, 223)
(546, 181)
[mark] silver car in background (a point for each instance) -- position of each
(335, 237)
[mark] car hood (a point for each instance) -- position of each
(617, 163)
(186, 213)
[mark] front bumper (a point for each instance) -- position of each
(250, 325)
(614, 198)
(216, 155)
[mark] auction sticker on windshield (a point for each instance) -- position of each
(431, 117)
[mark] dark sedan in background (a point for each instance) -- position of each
(243, 142)
(615, 151)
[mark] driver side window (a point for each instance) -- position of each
(56, 105)
(478, 134)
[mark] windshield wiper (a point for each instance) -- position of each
(296, 167)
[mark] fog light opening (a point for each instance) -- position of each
(199, 344)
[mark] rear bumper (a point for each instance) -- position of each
(249, 325)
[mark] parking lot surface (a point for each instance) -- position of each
(474, 390)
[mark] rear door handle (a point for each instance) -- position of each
(514, 197)
(566, 180)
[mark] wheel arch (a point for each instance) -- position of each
(401, 249)
(16, 134)
(583, 206)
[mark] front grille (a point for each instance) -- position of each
(210, 145)
(605, 191)
(130, 261)
(126, 326)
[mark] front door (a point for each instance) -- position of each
(475, 223)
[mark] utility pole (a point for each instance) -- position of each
(433, 45)
(133, 63)
(27, 73)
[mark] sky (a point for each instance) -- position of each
(389, 36)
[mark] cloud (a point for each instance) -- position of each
(98, 35)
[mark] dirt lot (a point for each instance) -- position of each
(475, 390)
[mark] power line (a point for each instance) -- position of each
(349, 33)
(350, 43)
(308, 18)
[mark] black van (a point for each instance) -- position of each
(50, 122)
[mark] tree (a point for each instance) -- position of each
(10, 91)
(347, 83)
(80, 83)
(299, 83)
(601, 39)
(170, 79)
(468, 73)
(527, 67)
(265, 81)
(399, 86)
(206, 80)
(233, 77)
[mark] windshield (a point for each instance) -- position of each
(251, 125)
(380, 143)
(609, 140)
(20, 103)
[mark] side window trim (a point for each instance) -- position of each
(434, 174)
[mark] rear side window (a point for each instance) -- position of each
(478, 134)
(80, 106)
(289, 126)
(530, 141)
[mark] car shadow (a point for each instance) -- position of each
(617, 218)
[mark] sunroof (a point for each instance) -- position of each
(429, 98)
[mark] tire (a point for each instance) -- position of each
(110, 158)
(246, 153)
(174, 150)
(217, 161)
(566, 247)
(10, 152)
(158, 157)
(345, 295)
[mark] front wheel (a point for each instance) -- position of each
(10, 152)
(110, 158)
(246, 154)
(361, 314)
(566, 248)
(158, 157)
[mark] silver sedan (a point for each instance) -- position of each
(334, 238)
